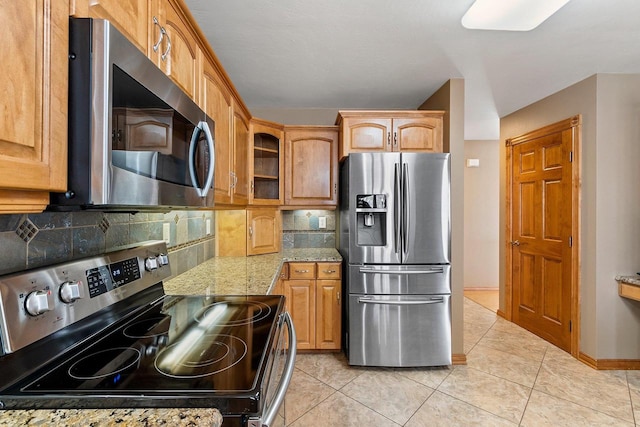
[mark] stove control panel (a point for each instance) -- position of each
(37, 303)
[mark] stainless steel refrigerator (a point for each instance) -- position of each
(394, 235)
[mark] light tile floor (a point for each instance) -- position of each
(512, 378)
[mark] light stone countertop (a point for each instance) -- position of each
(631, 280)
(254, 275)
(208, 417)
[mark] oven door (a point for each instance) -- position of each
(282, 361)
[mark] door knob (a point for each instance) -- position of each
(515, 243)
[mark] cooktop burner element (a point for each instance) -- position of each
(104, 363)
(202, 358)
(236, 313)
(148, 328)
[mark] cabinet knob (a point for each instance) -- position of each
(389, 138)
(395, 139)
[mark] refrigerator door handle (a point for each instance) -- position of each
(369, 300)
(376, 271)
(406, 201)
(396, 208)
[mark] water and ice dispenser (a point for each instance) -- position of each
(371, 217)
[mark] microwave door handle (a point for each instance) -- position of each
(269, 414)
(202, 127)
(212, 157)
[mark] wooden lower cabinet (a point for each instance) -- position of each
(313, 298)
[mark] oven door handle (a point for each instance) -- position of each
(202, 127)
(270, 413)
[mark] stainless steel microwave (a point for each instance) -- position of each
(136, 140)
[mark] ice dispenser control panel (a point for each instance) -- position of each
(371, 201)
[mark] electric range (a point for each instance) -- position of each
(100, 333)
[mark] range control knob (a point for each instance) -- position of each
(70, 291)
(151, 263)
(37, 302)
(163, 260)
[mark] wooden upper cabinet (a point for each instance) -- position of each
(175, 49)
(130, 17)
(263, 231)
(240, 174)
(248, 232)
(311, 165)
(418, 134)
(33, 123)
(363, 134)
(216, 101)
(380, 131)
(266, 163)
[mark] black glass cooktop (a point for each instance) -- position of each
(179, 347)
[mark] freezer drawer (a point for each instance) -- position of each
(399, 331)
(399, 279)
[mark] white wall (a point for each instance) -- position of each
(298, 116)
(481, 216)
(450, 98)
(617, 214)
(610, 203)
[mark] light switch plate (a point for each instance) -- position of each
(208, 226)
(166, 232)
(322, 222)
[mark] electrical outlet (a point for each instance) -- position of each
(208, 226)
(322, 222)
(166, 232)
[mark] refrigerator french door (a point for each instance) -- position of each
(395, 238)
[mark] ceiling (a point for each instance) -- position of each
(393, 54)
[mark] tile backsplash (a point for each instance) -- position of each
(35, 240)
(301, 229)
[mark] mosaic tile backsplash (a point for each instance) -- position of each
(35, 240)
(301, 229)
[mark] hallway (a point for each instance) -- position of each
(512, 378)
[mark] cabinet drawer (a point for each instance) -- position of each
(302, 270)
(329, 270)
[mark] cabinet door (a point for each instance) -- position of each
(311, 166)
(301, 303)
(366, 135)
(263, 231)
(130, 17)
(328, 314)
(266, 162)
(216, 101)
(240, 178)
(418, 134)
(33, 123)
(177, 55)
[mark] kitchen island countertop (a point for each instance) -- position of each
(253, 275)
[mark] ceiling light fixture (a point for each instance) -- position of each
(510, 15)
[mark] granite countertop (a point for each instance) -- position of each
(209, 417)
(253, 275)
(631, 280)
(224, 275)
